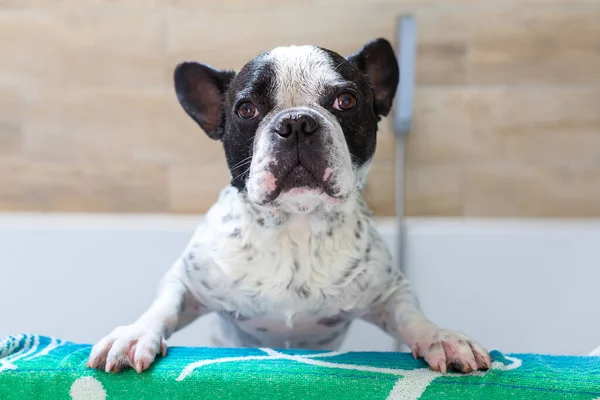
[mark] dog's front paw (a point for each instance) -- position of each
(127, 346)
(444, 349)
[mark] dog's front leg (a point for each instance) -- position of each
(400, 317)
(138, 344)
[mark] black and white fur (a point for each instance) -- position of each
(288, 256)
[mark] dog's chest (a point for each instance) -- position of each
(282, 279)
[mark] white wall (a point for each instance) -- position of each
(518, 286)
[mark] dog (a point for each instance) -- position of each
(288, 256)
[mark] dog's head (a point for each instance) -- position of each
(298, 123)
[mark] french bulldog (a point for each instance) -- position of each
(288, 256)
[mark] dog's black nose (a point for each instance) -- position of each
(297, 126)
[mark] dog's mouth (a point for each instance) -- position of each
(300, 180)
(299, 176)
(296, 178)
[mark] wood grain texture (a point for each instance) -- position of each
(507, 103)
(82, 46)
(536, 45)
(524, 191)
(31, 185)
(10, 122)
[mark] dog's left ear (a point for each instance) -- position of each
(377, 60)
(201, 91)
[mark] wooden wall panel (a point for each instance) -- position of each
(507, 105)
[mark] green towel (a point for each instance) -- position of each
(40, 368)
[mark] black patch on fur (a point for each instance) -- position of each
(304, 291)
(331, 321)
(345, 276)
(360, 123)
(237, 233)
(238, 280)
(276, 219)
(262, 329)
(189, 266)
(238, 316)
(248, 338)
(329, 339)
(227, 218)
(181, 307)
(337, 219)
(296, 265)
(255, 82)
(361, 282)
(205, 284)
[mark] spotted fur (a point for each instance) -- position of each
(298, 274)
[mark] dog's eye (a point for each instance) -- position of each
(344, 102)
(247, 110)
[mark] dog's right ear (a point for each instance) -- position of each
(377, 60)
(201, 91)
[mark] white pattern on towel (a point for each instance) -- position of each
(29, 350)
(87, 388)
(54, 343)
(410, 386)
(8, 357)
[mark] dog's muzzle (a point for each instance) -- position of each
(299, 147)
(300, 152)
